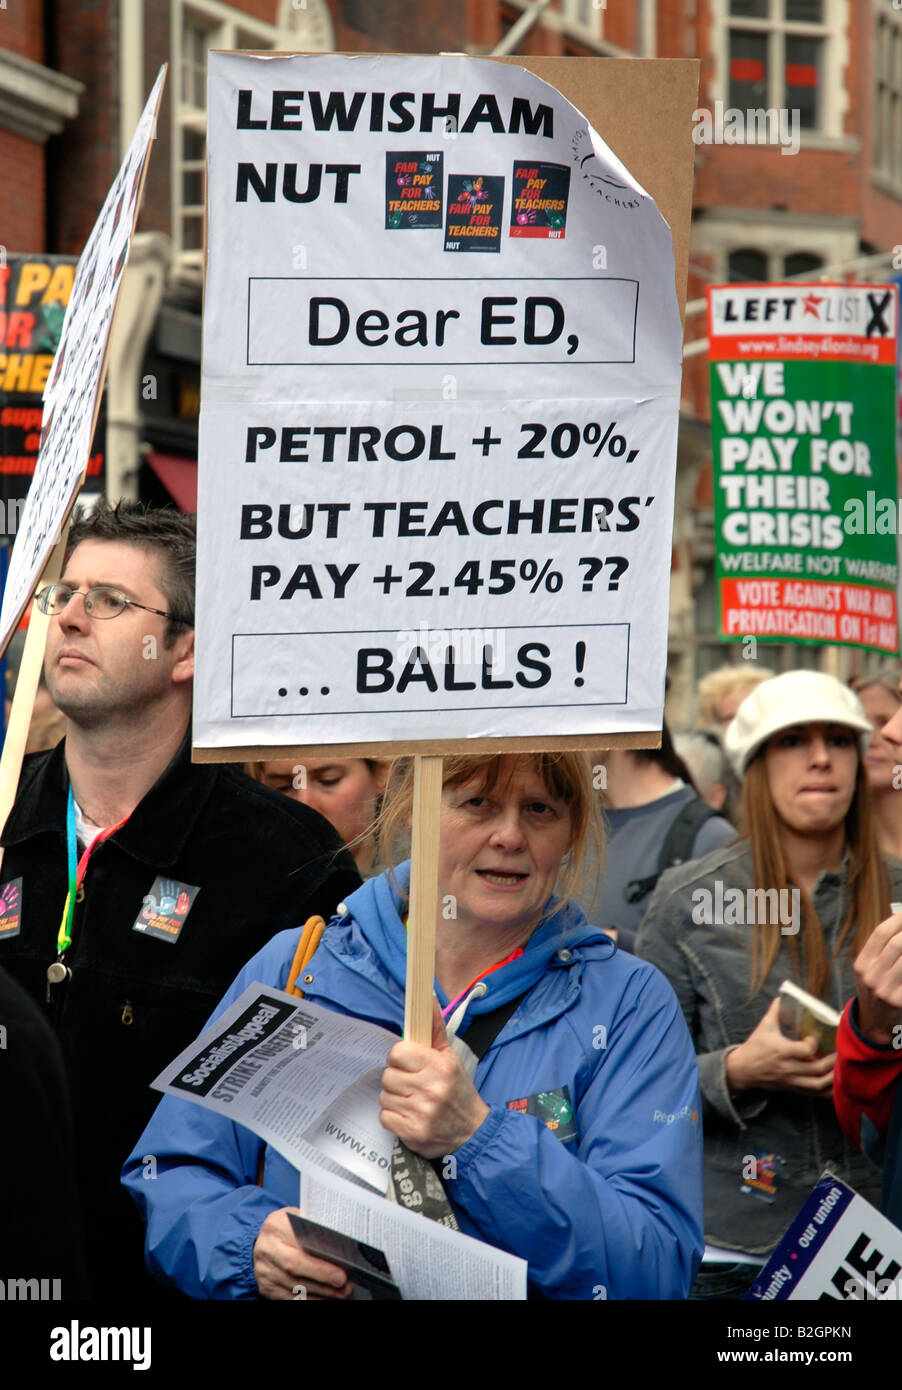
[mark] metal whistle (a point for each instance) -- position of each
(56, 973)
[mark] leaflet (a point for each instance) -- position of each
(426, 1261)
(304, 1079)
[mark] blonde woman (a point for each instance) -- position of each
(721, 692)
(574, 1125)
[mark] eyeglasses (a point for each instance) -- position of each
(100, 602)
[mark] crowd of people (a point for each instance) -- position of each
(588, 957)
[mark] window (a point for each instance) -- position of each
(192, 189)
(188, 200)
(197, 27)
(800, 263)
(583, 16)
(776, 57)
(749, 264)
(888, 96)
(195, 42)
(746, 265)
(578, 23)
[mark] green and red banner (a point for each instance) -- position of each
(803, 425)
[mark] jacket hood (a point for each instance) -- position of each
(376, 909)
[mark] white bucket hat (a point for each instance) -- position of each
(798, 697)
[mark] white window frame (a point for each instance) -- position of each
(832, 96)
(228, 28)
(775, 235)
(886, 151)
(563, 18)
(583, 18)
(775, 260)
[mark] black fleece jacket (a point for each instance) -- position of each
(261, 861)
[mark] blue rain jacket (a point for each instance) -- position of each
(615, 1212)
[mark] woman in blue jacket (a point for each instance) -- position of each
(608, 1207)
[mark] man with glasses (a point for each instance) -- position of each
(135, 884)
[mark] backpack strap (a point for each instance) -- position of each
(676, 848)
(310, 937)
(680, 838)
(484, 1028)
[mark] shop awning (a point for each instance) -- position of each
(178, 476)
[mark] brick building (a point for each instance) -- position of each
(36, 102)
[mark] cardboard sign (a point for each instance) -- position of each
(440, 395)
(803, 400)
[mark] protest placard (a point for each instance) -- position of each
(390, 362)
(803, 404)
(34, 293)
(71, 404)
(838, 1247)
(440, 394)
(75, 382)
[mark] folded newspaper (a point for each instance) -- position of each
(307, 1081)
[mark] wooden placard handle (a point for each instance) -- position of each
(427, 801)
(26, 690)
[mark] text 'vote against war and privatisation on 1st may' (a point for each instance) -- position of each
(440, 399)
(803, 422)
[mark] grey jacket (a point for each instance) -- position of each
(761, 1132)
